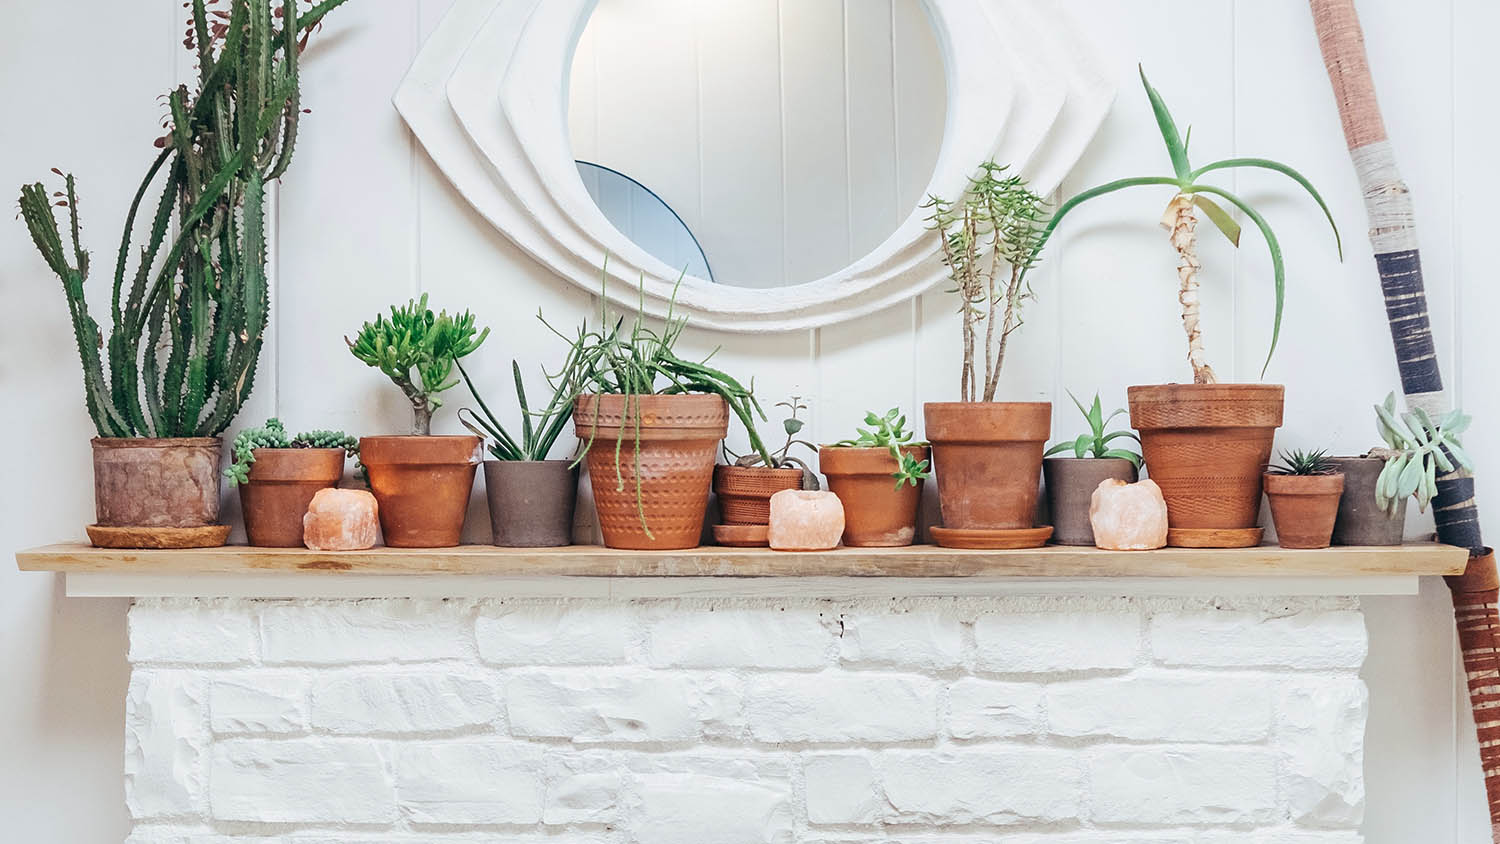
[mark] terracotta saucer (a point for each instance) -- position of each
(1214, 537)
(742, 536)
(208, 536)
(991, 540)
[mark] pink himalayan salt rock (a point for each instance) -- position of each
(341, 520)
(803, 520)
(1128, 517)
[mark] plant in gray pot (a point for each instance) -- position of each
(1071, 481)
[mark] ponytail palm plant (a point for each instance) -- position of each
(1193, 194)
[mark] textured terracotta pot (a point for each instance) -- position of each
(671, 471)
(877, 514)
(1360, 520)
(1303, 508)
(1206, 446)
(745, 491)
(422, 485)
(987, 457)
(531, 502)
(1071, 482)
(156, 483)
(282, 483)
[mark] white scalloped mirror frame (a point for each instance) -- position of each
(486, 97)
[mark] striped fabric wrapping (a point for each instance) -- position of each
(1475, 595)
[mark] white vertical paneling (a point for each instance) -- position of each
(815, 130)
(921, 100)
(874, 205)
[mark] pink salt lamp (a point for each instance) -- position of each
(341, 520)
(1128, 517)
(804, 520)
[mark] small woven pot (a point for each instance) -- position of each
(877, 513)
(1303, 508)
(282, 483)
(745, 492)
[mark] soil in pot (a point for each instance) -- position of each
(877, 513)
(1207, 446)
(667, 447)
(987, 457)
(157, 493)
(1360, 520)
(1070, 483)
(745, 491)
(1303, 508)
(531, 502)
(282, 483)
(422, 484)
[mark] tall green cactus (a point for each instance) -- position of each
(183, 343)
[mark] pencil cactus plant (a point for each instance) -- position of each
(188, 319)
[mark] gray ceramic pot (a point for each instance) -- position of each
(531, 502)
(1071, 482)
(1360, 520)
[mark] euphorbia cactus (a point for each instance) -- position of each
(417, 349)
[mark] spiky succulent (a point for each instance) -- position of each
(1422, 448)
(273, 435)
(417, 350)
(1096, 442)
(889, 432)
(1299, 462)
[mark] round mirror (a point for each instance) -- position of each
(776, 142)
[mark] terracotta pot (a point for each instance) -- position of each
(745, 491)
(156, 483)
(1303, 508)
(1360, 520)
(422, 485)
(987, 457)
(678, 437)
(282, 483)
(1206, 446)
(531, 502)
(1071, 482)
(877, 514)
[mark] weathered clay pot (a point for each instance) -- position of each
(282, 483)
(531, 502)
(987, 457)
(156, 483)
(745, 491)
(1071, 482)
(671, 471)
(877, 513)
(1206, 446)
(1303, 508)
(1360, 520)
(422, 485)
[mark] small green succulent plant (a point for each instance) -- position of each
(1095, 443)
(889, 432)
(1420, 449)
(273, 435)
(1300, 462)
(417, 350)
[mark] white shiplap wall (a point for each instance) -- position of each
(365, 219)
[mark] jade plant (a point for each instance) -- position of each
(273, 435)
(1191, 194)
(417, 350)
(1419, 448)
(1096, 442)
(990, 237)
(1299, 462)
(782, 457)
(188, 319)
(540, 428)
(889, 432)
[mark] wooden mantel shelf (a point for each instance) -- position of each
(595, 571)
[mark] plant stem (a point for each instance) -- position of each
(1185, 240)
(1012, 299)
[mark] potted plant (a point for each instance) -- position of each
(746, 483)
(530, 497)
(1304, 491)
(1418, 449)
(651, 423)
(878, 513)
(1207, 443)
(421, 482)
(187, 320)
(988, 454)
(279, 475)
(1071, 481)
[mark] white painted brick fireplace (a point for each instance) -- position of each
(926, 721)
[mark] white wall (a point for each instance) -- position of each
(365, 219)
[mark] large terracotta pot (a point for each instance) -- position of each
(745, 491)
(666, 446)
(1360, 520)
(144, 482)
(1071, 482)
(1206, 446)
(422, 485)
(877, 513)
(988, 460)
(282, 483)
(1303, 508)
(531, 502)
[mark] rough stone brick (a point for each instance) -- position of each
(365, 631)
(1188, 785)
(402, 702)
(300, 781)
(733, 637)
(200, 632)
(923, 639)
(979, 708)
(1056, 641)
(166, 736)
(841, 790)
(471, 782)
(841, 707)
(621, 705)
(1321, 735)
(259, 702)
(1214, 708)
(583, 788)
(684, 808)
(554, 634)
(972, 786)
(1246, 639)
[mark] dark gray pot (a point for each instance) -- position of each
(1071, 482)
(1360, 520)
(531, 502)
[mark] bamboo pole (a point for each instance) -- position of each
(1393, 236)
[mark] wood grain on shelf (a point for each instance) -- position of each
(917, 561)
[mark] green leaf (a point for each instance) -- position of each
(1114, 435)
(1276, 263)
(1094, 193)
(1176, 149)
(792, 426)
(1057, 449)
(1411, 478)
(1081, 445)
(1123, 454)
(1267, 164)
(1219, 217)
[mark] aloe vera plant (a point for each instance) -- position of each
(540, 428)
(1181, 220)
(1421, 448)
(1096, 442)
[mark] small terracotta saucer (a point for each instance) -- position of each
(991, 540)
(1214, 537)
(208, 536)
(742, 536)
